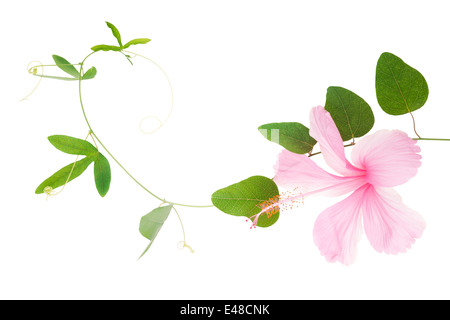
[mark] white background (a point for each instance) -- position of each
(234, 65)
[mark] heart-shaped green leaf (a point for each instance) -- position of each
(72, 145)
(115, 32)
(246, 197)
(66, 66)
(351, 114)
(400, 88)
(102, 174)
(90, 74)
(59, 178)
(291, 135)
(152, 222)
(136, 41)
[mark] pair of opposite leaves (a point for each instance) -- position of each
(400, 89)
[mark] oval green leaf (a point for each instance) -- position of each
(72, 145)
(400, 88)
(90, 74)
(102, 174)
(115, 32)
(136, 41)
(291, 135)
(244, 199)
(59, 178)
(351, 114)
(104, 47)
(66, 66)
(152, 222)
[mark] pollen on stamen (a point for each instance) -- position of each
(286, 200)
(292, 199)
(271, 206)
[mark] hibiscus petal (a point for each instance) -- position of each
(338, 229)
(390, 226)
(389, 157)
(324, 130)
(298, 170)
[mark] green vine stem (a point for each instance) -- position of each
(431, 139)
(417, 139)
(161, 123)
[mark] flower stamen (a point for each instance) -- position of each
(285, 200)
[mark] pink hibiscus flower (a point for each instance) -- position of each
(381, 161)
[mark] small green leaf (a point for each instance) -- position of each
(102, 174)
(59, 178)
(115, 32)
(72, 145)
(66, 66)
(152, 222)
(400, 88)
(351, 114)
(90, 74)
(105, 47)
(244, 199)
(291, 135)
(136, 41)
